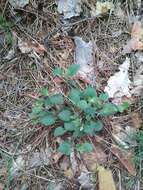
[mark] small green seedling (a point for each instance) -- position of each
(77, 114)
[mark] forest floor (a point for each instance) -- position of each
(34, 39)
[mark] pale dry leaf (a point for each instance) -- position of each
(139, 56)
(105, 178)
(69, 173)
(119, 84)
(17, 165)
(84, 57)
(137, 30)
(119, 12)
(19, 3)
(39, 158)
(85, 179)
(133, 45)
(69, 8)
(55, 186)
(28, 46)
(23, 46)
(125, 158)
(102, 8)
(136, 41)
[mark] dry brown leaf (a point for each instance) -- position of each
(136, 42)
(125, 159)
(98, 156)
(136, 120)
(39, 48)
(105, 178)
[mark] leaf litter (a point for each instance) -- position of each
(119, 84)
(69, 8)
(84, 57)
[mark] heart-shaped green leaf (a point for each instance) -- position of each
(72, 70)
(65, 115)
(47, 119)
(59, 131)
(65, 148)
(108, 109)
(84, 147)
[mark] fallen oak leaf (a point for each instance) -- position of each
(124, 159)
